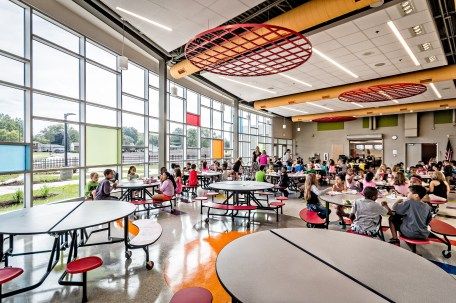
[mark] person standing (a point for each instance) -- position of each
(263, 159)
(256, 154)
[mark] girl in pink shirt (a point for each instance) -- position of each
(263, 159)
(178, 175)
(368, 181)
(167, 188)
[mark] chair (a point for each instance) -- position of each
(81, 266)
(7, 274)
(192, 295)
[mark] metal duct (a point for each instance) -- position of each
(303, 17)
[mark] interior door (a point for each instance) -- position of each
(336, 150)
(428, 151)
(413, 153)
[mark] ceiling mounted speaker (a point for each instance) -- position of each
(335, 119)
(248, 50)
(384, 92)
(123, 63)
(173, 91)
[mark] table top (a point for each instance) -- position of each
(136, 184)
(92, 213)
(207, 173)
(326, 264)
(241, 186)
(340, 198)
(295, 175)
(62, 216)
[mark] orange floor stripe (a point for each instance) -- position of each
(193, 264)
(132, 229)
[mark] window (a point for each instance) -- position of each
(217, 119)
(133, 104)
(133, 80)
(176, 109)
(153, 102)
(11, 70)
(55, 34)
(12, 114)
(153, 80)
(192, 102)
(12, 25)
(101, 116)
(55, 71)
(100, 55)
(101, 86)
(132, 130)
(205, 117)
(55, 108)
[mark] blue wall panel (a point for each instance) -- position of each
(13, 158)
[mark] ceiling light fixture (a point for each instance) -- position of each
(436, 92)
(431, 59)
(296, 110)
(296, 80)
(343, 68)
(320, 106)
(357, 104)
(299, 127)
(426, 46)
(407, 7)
(417, 30)
(395, 101)
(248, 85)
(123, 60)
(284, 125)
(396, 32)
(144, 19)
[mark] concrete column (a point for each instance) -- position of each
(163, 110)
(235, 129)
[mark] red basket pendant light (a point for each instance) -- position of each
(384, 92)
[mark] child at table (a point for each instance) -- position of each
(104, 189)
(350, 182)
(92, 185)
(411, 217)
(225, 172)
(192, 176)
(167, 188)
(366, 213)
(339, 186)
(132, 175)
(260, 176)
(368, 181)
(284, 182)
(400, 184)
(178, 179)
(311, 193)
(270, 169)
(204, 167)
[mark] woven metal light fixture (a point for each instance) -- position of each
(384, 92)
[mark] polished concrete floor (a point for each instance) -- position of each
(184, 256)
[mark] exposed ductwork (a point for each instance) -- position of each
(303, 17)
(436, 74)
(384, 110)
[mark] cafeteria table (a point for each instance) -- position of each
(129, 187)
(319, 266)
(247, 188)
(206, 178)
(56, 220)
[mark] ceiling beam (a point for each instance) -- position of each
(384, 110)
(437, 74)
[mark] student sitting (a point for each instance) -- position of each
(92, 186)
(204, 167)
(132, 175)
(332, 167)
(438, 188)
(339, 186)
(411, 217)
(260, 175)
(366, 213)
(271, 169)
(284, 182)
(311, 193)
(192, 176)
(178, 179)
(225, 172)
(400, 184)
(416, 180)
(167, 188)
(368, 181)
(350, 182)
(104, 189)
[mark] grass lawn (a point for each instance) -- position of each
(3, 178)
(56, 194)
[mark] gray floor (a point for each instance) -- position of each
(121, 280)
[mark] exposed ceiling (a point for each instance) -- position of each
(363, 44)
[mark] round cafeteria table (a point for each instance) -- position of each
(242, 187)
(206, 177)
(318, 265)
(57, 219)
(129, 187)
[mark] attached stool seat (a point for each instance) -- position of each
(201, 199)
(282, 198)
(81, 266)
(192, 295)
(212, 194)
(311, 218)
(412, 243)
(277, 205)
(7, 274)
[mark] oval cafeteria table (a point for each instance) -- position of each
(137, 185)
(57, 219)
(318, 266)
(242, 187)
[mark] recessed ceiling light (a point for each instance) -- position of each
(335, 63)
(368, 53)
(296, 80)
(318, 105)
(144, 19)
(431, 59)
(398, 35)
(407, 7)
(379, 64)
(296, 110)
(436, 92)
(357, 104)
(417, 30)
(248, 85)
(426, 46)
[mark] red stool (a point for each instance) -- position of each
(81, 266)
(282, 198)
(278, 205)
(311, 218)
(7, 274)
(192, 295)
(201, 199)
(412, 243)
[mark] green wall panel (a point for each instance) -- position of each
(387, 121)
(102, 146)
(443, 116)
(366, 122)
(323, 126)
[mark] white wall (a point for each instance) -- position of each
(309, 140)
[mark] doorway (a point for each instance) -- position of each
(416, 152)
(428, 151)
